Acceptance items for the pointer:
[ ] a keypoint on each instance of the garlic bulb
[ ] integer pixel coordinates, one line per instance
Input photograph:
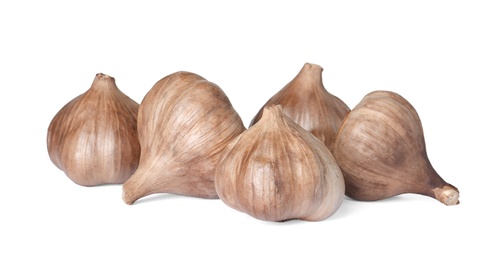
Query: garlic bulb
(309, 104)
(277, 171)
(381, 150)
(184, 122)
(93, 138)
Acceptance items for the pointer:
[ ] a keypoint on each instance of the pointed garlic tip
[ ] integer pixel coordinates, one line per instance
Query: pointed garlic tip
(139, 185)
(104, 81)
(130, 197)
(125, 198)
(272, 112)
(103, 77)
(126, 193)
(310, 74)
(448, 195)
(312, 67)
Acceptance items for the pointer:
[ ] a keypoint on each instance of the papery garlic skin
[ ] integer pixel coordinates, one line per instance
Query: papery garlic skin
(93, 138)
(184, 122)
(277, 171)
(306, 101)
(381, 150)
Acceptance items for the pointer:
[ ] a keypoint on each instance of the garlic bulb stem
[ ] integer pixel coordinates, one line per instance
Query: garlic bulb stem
(310, 74)
(448, 195)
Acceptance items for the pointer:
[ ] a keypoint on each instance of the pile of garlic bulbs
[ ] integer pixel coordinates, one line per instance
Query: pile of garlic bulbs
(302, 153)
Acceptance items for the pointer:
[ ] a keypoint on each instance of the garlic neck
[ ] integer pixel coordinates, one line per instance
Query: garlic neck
(103, 82)
(447, 194)
(272, 112)
(310, 77)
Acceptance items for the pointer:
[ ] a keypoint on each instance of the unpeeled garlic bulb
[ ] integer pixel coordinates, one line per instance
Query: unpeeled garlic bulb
(381, 150)
(310, 105)
(277, 171)
(184, 122)
(93, 138)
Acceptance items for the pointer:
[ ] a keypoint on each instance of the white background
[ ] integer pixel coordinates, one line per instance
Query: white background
(445, 57)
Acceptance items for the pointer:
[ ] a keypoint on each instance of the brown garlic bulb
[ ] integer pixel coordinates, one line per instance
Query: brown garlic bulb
(93, 138)
(381, 150)
(184, 122)
(310, 105)
(277, 171)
